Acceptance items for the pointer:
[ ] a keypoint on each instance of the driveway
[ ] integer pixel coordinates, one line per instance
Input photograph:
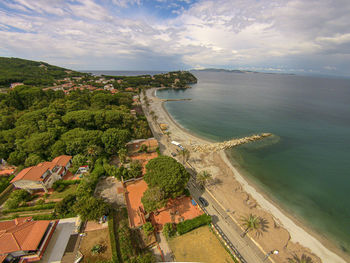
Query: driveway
(57, 245)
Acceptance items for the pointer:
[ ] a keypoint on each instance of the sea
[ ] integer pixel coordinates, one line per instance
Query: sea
(305, 166)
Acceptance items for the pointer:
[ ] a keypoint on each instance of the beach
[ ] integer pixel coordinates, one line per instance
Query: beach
(241, 197)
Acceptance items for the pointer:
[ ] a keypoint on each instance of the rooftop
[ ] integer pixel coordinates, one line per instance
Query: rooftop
(21, 234)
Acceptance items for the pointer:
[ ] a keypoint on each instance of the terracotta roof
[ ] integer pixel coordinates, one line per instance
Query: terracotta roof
(6, 172)
(62, 160)
(21, 235)
(2, 258)
(32, 173)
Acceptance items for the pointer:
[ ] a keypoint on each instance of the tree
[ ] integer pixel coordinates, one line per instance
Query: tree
(185, 155)
(167, 174)
(153, 199)
(148, 228)
(16, 198)
(303, 259)
(169, 230)
(78, 160)
(65, 206)
(93, 150)
(203, 178)
(135, 170)
(251, 223)
(90, 208)
(32, 160)
(122, 153)
(115, 139)
(16, 158)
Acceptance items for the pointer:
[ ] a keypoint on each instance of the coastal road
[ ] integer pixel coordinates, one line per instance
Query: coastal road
(228, 228)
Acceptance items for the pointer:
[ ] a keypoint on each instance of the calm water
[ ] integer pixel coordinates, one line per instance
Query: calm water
(306, 166)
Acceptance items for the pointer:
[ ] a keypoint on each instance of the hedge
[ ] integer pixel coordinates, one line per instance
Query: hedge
(64, 183)
(30, 208)
(112, 236)
(188, 225)
(51, 216)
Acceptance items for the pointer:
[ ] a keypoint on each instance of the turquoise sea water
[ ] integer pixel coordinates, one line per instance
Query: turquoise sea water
(306, 166)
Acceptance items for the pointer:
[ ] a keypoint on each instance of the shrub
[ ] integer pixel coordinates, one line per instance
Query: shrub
(40, 202)
(30, 208)
(111, 229)
(169, 230)
(96, 249)
(63, 183)
(65, 206)
(188, 225)
(148, 228)
(17, 198)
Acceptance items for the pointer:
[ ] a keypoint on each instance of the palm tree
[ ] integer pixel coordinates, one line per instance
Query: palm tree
(93, 150)
(251, 222)
(203, 177)
(303, 259)
(185, 155)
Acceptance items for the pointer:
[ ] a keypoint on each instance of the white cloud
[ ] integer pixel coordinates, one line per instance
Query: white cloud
(233, 33)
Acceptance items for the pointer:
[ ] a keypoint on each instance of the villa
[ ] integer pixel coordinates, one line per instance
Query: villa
(42, 176)
(24, 240)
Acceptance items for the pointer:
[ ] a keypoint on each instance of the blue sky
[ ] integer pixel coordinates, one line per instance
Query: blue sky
(298, 36)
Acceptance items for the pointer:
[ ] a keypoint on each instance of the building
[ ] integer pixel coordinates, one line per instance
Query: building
(42, 176)
(24, 240)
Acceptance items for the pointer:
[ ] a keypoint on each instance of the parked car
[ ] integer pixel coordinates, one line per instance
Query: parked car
(203, 201)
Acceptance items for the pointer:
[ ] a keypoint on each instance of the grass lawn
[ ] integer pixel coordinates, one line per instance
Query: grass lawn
(70, 189)
(93, 238)
(199, 245)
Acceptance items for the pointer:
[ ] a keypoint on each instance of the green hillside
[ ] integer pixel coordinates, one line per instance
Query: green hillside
(30, 72)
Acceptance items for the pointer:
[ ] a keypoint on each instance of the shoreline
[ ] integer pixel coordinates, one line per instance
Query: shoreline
(299, 232)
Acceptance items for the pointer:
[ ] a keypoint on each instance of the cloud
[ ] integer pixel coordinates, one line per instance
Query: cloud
(297, 34)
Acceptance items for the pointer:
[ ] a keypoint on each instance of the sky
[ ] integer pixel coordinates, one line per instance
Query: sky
(287, 36)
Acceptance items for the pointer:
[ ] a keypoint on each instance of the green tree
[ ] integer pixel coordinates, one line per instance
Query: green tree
(153, 199)
(135, 170)
(65, 206)
(90, 208)
(203, 178)
(115, 139)
(32, 160)
(251, 223)
(169, 230)
(303, 259)
(16, 158)
(16, 198)
(78, 160)
(169, 175)
(122, 154)
(148, 228)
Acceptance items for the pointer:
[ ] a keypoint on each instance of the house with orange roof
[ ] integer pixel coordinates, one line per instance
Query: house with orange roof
(42, 176)
(25, 240)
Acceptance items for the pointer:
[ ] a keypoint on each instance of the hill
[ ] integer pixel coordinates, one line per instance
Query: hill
(31, 72)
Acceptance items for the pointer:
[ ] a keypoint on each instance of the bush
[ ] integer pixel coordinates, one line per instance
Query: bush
(148, 228)
(169, 230)
(65, 206)
(17, 198)
(44, 217)
(96, 249)
(40, 202)
(188, 225)
(30, 208)
(62, 184)
(111, 229)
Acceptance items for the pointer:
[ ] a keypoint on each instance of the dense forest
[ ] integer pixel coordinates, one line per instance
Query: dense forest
(31, 72)
(38, 125)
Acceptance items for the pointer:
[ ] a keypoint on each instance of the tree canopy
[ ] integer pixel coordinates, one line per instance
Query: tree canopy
(167, 174)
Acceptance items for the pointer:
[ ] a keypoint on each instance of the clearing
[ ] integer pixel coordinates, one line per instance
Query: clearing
(199, 245)
(92, 238)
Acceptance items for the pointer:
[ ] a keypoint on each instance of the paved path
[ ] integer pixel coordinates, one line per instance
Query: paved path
(167, 253)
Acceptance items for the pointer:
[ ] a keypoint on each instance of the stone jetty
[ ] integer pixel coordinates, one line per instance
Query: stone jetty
(215, 147)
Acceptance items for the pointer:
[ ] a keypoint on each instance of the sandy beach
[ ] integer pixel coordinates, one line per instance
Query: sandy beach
(240, 197)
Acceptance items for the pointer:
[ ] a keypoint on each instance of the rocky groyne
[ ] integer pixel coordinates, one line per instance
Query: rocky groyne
(215, 147)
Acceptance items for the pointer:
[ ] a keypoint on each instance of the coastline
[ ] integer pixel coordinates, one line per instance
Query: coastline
(298, 233)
